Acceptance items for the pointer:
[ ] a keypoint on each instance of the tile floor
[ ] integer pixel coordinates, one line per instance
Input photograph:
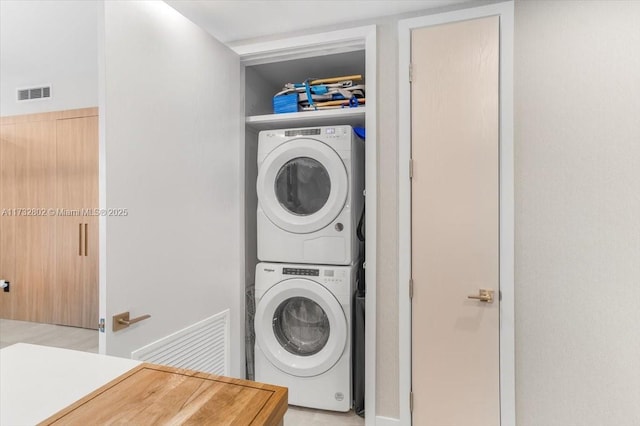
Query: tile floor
(59, 336)
(298, 416)
(87, 340)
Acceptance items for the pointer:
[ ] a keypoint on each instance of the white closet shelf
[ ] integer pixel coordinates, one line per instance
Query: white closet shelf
(327, 117)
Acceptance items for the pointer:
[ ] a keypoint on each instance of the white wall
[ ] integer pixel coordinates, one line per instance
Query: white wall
(171, 155)
(577, 139)
(48, 42)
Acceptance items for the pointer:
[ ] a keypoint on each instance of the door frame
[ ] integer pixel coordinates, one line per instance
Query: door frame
(507, 343)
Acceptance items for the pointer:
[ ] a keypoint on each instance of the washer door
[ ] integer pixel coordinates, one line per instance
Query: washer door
(302, 186)
(300, 327)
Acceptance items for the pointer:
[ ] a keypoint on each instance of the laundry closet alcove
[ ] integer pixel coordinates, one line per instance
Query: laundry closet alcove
(267, 66)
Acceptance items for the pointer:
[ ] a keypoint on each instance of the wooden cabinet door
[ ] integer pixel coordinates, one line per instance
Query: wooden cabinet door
(7, 222)
(48, 242)
(28, 169)
(76, 297)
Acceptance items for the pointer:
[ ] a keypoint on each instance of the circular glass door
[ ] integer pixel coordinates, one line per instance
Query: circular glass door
(302, 185)
(300, 327)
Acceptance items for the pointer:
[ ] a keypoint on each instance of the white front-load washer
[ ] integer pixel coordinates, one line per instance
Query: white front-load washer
(310, 195)
(303, 332)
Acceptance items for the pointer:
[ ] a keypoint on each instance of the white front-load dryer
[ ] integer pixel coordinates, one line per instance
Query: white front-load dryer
(310, 195)
(303, 332)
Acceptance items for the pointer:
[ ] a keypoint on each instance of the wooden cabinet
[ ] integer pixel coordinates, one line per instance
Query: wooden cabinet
(48, 237)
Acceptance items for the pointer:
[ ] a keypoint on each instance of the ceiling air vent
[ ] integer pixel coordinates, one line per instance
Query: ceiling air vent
(34, 93)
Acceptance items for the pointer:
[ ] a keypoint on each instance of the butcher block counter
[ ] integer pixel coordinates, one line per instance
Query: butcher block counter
(41, 385)
(156, 395)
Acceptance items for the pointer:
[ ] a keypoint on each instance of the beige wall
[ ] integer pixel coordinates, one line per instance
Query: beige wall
(387, 260)
(577, 139)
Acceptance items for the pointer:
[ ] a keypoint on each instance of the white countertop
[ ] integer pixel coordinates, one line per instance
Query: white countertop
(38, 381)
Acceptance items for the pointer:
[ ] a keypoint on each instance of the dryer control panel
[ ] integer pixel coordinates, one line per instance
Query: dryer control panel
(302, 132)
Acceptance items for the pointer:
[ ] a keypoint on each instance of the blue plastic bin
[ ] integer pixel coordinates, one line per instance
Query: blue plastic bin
(285, 103)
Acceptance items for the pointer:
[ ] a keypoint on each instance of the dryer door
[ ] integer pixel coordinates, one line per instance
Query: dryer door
(300, 327)
(302, 185)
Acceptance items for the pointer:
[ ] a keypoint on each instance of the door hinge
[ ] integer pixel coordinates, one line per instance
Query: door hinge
(101, 325)
(411, 73)
(410, 288)
(411, 168)
(411, 401)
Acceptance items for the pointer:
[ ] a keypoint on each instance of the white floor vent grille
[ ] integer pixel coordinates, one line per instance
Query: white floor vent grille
(203, 346)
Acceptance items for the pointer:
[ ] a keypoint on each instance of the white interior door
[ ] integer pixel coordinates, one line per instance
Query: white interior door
(455, 224)
(170, 158)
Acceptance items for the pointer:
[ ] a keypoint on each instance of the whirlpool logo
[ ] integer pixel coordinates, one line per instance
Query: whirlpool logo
(269, 270)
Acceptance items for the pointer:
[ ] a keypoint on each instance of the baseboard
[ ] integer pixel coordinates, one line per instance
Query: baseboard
(386, 421)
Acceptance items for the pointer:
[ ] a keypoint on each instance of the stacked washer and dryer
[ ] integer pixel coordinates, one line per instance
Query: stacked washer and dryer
(310, 199)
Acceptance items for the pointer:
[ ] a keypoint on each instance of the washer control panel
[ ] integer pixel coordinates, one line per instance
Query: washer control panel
(301, 271)
(325, 275)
